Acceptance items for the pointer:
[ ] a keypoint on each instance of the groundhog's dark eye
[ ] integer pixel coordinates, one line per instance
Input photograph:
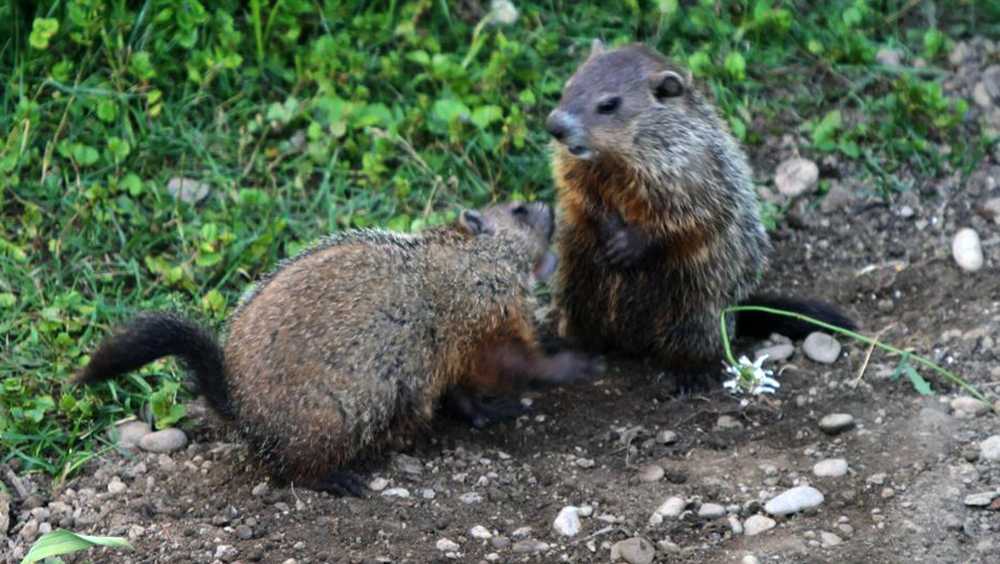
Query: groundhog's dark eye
(609, 105)
(520, 211)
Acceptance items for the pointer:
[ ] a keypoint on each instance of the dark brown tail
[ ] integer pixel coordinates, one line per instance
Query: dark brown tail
(152, 336)
(761, 325)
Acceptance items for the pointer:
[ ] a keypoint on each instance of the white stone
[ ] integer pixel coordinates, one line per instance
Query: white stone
(470, 498)
(829, 539)
(969, 405)
(830, 468)
(757, 524)
(567, 522)
(635, 550)
(796, 176)
(711, 511)
(480, 532)
(967, 250)
(188, 189)
(776, 353)
(794, 500)
(650, 473)
(821, 348)
(396, 492)
(666, 437)
(447, 545)
(128, 434)
(116, 486)
(989, 449)
(671, 508)
(167, 440)
(836, 422)
(378, 484)
(981, 499)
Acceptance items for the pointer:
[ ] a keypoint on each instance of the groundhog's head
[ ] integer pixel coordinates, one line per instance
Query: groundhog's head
(529, 226)
(630, 103)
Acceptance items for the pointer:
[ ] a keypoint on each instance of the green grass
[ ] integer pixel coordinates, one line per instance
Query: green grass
(307, 116)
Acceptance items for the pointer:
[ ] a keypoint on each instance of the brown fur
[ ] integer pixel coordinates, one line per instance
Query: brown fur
(666, 167)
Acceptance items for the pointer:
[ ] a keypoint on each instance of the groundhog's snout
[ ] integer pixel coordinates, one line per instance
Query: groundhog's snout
(566, 129)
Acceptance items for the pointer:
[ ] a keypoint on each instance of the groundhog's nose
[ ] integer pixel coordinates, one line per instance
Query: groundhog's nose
(556, 125)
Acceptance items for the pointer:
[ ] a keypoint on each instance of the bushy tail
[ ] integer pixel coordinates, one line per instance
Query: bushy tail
(761, 325)
(152, 336)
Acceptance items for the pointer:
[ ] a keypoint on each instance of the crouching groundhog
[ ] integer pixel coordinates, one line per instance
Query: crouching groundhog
(659, 227)
(353, 343)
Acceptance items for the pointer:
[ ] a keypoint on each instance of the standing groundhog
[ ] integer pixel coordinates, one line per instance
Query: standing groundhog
(354, 342)
(659, 226)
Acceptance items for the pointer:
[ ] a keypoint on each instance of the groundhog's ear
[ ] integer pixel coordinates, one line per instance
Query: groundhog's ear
(474, 223)
(596, 48)
(667, 84)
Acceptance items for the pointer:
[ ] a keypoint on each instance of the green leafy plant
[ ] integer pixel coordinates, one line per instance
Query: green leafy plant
(61, 542)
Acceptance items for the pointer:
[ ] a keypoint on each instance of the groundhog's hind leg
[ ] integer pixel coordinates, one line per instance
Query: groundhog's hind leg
(692, 354)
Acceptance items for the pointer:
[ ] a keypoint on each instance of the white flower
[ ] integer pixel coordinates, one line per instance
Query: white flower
(750, 377)
(502, 12)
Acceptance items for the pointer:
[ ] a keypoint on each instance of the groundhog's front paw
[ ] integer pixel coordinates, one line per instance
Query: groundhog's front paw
(569, 367)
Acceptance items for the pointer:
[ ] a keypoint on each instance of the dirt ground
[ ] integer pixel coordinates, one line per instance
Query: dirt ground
(493, 495)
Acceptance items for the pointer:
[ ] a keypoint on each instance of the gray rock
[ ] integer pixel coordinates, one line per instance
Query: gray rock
(671, 508)
(167, 440)
(990, 209)
(635, 550)
(4, 513)
(226, 553)
(188, 189)
(402, 493)
(116, 486)
(244, 532)
(378, 484)
(666, 437)
(836, 423)
(776, 353)
(959, 53)
(796, 176)
(470, 498)
(989, 449)
(750, 559)
(128, 434)
(734, 525)
(651, 473)
(29, 531)
(480, 532)
(969, 406)
(408, 464)
(757, 524)
(447, 545)
(726, 422)
(567, 522)
(794, 500)
(711, 511)
(260, 490)
(529, 546)
(967, 250)
(821, 347)
(981, 499)
(830, 468)
(829, 539)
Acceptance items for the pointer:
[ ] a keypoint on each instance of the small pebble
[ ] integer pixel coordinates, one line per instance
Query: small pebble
(480, 532)
(757, 524)
(836, 423)
(167, 440)
(794, 500)
(821, 347)
(116, 486)
(260, 490)
(188, 189)
(829, 539)
(378, 484)
(447, 545)
(981, 499)
(567, 522)
(989, 449)
(888, 57)
(585, 462)
(651, 473)
(244, 532)
(750, 559)
(728, 422)
(635, 550)
(528, 546)
(969, 405)
(396, 492)
(129, 434)
(470, 498)
(830, 468)
(672, 507)
(711, 511)
(666, 437)
(796, 176)
(967, 250)
(776, 353)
